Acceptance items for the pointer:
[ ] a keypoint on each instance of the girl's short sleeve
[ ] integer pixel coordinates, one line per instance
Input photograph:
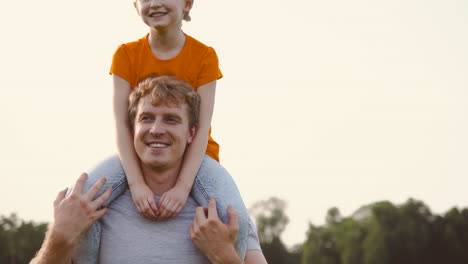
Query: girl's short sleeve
(209, 68)
(121, 63)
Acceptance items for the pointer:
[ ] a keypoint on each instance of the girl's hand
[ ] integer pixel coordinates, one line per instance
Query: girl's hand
(172, 202)
(143, 198)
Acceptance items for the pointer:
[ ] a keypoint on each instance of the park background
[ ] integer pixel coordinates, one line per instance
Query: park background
(323, 104)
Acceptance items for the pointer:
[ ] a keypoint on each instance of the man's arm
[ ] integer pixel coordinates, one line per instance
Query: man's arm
(255, 257)
(216, 239)
(73, 215)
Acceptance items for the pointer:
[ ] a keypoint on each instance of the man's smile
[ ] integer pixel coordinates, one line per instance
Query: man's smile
(158, 145)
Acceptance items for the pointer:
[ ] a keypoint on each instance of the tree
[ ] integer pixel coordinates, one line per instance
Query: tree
(320, 246)
(350, 235)
(450, 239)
(271, 221)
(19, 240)
(270, 218)
(386, 233)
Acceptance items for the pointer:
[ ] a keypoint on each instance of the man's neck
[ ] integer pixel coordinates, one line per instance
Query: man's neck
(160, 180)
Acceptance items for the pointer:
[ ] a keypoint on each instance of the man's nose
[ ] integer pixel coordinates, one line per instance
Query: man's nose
(157, 128)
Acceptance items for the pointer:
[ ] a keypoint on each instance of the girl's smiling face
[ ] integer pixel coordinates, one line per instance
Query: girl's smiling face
(163, 14)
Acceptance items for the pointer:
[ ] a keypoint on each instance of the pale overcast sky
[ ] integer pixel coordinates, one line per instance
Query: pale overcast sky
(324, 103)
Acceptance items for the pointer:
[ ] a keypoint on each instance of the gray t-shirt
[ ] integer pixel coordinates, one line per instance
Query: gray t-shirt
(127, 237)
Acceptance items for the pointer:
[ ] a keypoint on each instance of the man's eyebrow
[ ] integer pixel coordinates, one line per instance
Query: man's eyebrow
(144, 113)
(173, 115)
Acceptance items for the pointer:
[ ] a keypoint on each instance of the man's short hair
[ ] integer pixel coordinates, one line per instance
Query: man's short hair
(168, 91)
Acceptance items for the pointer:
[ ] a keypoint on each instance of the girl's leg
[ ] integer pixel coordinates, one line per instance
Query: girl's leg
(213, 181)
(88, 247)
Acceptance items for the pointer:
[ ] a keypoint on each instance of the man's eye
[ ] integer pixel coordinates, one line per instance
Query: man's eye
(145, 118)
(172, 119)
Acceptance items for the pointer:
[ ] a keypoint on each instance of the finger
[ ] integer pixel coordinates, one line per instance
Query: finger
(145, 215)
(102, 198)
(164, 213)
(212, 213)
(143, 212)
(200, 215)
(100, 213)
(160, 211)
(60, 196)
(141, 209)
(78, 189)
(173, 210)
(95, 188)
(196, 220)
(138, 208)
(148, 212)
(153, 206)
(178, 209)
(163, 202)
(232, 215)
(166, 207)
(192, 233)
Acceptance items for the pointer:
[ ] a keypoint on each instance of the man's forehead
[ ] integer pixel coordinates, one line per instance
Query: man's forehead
(146, 105)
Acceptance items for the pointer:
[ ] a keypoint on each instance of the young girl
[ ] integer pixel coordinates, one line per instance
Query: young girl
(166, 50)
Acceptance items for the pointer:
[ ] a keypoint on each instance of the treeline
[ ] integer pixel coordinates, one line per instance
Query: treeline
(380, 233)
(19, 240)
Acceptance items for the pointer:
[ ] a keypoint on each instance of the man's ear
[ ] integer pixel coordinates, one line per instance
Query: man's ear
(192, 133)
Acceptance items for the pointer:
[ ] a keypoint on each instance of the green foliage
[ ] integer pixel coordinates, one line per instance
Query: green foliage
(320, 246)
(19, 240)
(349, 236)
(271, 221)
(270, 218)
(379, 233)
(382, 233)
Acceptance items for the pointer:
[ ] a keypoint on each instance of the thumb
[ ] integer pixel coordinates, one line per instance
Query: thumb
(233, 221)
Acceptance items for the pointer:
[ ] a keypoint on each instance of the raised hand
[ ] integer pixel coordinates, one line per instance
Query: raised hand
(74, 214)
(214, 238)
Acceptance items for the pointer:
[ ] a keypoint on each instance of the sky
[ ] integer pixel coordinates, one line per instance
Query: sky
(323, 103)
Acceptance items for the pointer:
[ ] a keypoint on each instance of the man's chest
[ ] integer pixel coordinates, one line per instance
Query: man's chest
(129, 238)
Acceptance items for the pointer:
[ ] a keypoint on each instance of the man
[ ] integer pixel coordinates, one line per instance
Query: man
(162, 131)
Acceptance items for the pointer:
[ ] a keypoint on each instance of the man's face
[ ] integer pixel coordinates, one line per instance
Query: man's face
(161, 134)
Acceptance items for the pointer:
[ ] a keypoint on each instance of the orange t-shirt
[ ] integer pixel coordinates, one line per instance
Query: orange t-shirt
(196, 64)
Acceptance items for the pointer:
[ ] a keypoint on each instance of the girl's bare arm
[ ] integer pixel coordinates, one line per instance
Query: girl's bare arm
(142, 196)
(174, 200)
